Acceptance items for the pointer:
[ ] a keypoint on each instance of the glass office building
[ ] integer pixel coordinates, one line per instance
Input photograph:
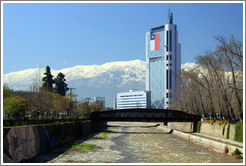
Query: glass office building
(163, 61)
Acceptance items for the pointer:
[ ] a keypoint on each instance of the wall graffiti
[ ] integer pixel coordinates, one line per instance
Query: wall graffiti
(22, 143)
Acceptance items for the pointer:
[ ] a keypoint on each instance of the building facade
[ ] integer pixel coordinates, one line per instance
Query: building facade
(132, 99)
(163, 61)
(100, 101)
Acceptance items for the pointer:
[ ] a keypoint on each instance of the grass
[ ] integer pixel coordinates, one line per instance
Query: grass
(74, 151)
(107, 131)
(78, 146)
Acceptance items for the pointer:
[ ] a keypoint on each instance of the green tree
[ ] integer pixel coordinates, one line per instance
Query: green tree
(48, 80)
(83, 109)
(15, 106)
(40, 104)
(60, 104)
(6, 91)
(60, 85)
(94, 107)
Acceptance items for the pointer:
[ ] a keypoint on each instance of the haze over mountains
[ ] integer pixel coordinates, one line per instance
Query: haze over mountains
(104, 80)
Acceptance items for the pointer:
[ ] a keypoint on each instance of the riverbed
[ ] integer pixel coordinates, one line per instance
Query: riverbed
(128, 142)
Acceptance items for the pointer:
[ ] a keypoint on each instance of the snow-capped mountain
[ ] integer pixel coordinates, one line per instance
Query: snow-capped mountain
(89, 80)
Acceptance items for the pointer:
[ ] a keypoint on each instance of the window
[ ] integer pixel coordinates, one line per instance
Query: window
(166, 95)
(170, 57)
(170, 40)
(167, 57)
(167, 37)
(170, 79)
(166, 64)
(167, 79)
(167, 40)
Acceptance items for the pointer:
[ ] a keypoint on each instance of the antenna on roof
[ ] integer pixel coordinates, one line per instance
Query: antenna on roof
(170, 16)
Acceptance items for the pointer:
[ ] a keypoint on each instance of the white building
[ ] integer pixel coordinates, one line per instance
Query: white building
(132, 99)
(163, 61)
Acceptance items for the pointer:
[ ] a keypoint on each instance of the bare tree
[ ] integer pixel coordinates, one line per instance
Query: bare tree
(232, 55)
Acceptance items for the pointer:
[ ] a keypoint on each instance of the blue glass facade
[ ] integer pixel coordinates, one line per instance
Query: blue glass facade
(157, 70)
(157, 88)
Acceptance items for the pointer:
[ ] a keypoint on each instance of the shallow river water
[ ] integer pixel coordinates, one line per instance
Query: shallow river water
(138, 143)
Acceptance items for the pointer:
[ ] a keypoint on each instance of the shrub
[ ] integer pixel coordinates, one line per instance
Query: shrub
(237, 154)
(198, 126)
(220, 122)
(239, 132)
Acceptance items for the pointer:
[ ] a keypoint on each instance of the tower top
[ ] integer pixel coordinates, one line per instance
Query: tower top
(170, 17)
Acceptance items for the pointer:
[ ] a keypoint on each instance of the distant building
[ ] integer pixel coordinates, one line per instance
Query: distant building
(100, 101)
(115, 104)
(132, 99)
(163, 61)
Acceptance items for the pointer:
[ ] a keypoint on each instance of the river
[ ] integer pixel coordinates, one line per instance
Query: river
(138, 143)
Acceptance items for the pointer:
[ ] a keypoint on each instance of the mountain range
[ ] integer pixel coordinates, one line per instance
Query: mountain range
(89, 81)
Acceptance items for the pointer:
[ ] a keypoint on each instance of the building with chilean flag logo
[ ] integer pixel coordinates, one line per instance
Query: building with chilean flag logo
(163, 61)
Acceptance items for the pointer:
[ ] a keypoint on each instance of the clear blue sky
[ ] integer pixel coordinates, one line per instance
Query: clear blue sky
(65, 35)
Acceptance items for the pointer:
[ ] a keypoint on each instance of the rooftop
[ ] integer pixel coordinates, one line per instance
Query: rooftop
(157, 27)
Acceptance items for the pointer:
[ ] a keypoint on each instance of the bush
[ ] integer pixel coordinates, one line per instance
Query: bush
(198, 126)
(220, 122)
(15, 106)
(237, 154)
(238, 132)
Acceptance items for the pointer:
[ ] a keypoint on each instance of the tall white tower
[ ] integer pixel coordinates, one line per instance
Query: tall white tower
(163, 60)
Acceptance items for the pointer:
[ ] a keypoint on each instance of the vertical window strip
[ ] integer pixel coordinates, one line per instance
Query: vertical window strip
(170, 41)
(167, 40)
(170, 79)
(167, 79)
(167, 37)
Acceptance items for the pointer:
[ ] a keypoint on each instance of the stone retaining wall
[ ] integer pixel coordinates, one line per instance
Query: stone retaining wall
(26, 142)
(184, 126)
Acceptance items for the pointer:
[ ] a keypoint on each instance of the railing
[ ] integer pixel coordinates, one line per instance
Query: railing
(8, 123)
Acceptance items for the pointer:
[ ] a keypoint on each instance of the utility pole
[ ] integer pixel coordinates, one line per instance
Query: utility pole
(70, 109)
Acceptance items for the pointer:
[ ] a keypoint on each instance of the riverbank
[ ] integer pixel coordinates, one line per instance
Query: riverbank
(128, 142)
(220, 145)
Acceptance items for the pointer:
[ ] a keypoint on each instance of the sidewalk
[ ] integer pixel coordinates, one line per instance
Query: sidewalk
(218, 144)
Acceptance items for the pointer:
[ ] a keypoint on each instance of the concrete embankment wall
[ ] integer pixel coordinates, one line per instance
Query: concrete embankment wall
(26, 142)
(184, 126)
(215, 130)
